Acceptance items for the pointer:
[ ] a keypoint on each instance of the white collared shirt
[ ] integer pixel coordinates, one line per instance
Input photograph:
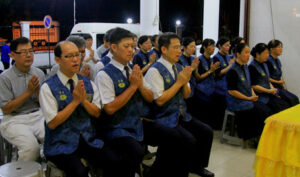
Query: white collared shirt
(48, 102)
(155, 80)
(106, 85)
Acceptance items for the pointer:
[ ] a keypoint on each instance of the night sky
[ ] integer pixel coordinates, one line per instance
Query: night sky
(116, 11)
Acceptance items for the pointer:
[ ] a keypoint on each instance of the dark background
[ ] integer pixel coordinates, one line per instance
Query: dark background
(190, 13)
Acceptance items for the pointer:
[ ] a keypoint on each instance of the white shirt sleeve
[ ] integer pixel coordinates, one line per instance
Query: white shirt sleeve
(155, 81)
(106, 87)
(96, 98)
(98, 66)
(48, 103)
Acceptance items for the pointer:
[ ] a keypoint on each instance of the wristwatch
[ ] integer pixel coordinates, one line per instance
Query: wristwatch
(209, 72)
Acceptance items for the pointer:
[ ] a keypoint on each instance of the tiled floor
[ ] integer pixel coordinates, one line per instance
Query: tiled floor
(229, 160)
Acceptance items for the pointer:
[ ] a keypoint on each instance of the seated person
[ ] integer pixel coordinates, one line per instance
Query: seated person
(169, 83)
(274, 66)
(85, 69)
(123, 92)
(205, 86)
(142, 58)
(22, 124)
(242, 100)
(154, 41)
(260, 82)
(69, 102)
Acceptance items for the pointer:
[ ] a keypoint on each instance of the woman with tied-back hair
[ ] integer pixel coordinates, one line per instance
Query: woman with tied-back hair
(260, 81)
(242, 100)
(274, 66)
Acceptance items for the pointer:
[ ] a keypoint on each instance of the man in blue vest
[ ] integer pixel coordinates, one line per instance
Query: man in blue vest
(69, 102)
(123, 92)
(170, 86)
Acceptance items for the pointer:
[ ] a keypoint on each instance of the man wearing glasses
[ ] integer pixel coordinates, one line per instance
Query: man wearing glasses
(22, 124)
(85, 69)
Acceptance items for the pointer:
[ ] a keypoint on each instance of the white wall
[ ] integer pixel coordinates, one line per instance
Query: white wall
(286, 29)
(149, 17)
(211, 19)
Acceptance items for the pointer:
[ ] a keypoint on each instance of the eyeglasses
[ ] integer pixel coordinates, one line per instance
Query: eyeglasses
(73, 56)
(24, 52)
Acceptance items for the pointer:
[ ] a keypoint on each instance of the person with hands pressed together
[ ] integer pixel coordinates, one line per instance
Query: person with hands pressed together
(206, 85)
(69, 102)
(22, 123)
(242, 100)
(143, 58)
(124, 94)
(260, 82)
(170, 84)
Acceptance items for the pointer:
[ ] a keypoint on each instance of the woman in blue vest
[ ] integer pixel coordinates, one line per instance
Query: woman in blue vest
(205, 85)
(234, 43)
(187, 58)
(219, 95)
(242, 100)
(142, 58)
(274, 66)
(260, 82)
(154, 40)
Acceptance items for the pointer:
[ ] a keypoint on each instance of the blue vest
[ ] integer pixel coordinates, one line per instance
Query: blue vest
(64, 139)
(263, 81)
(183, 61)
(158, 54)
(141, 56)
(127, 120)
(277, 73)
(221, 84)
(206, 87)
(169, 113)
(105, 60)
(244, 86)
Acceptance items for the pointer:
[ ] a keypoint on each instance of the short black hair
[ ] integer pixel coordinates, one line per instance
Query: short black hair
(87, 36)
(274, 43)
(143, 39)
(258, 48)
(186, 41)
(107, 35)
(234, 43)
(154, 37)
(17, 41)
(222, 41)
(118, 34)
(207, 42)
(239, 48)
(165, 39)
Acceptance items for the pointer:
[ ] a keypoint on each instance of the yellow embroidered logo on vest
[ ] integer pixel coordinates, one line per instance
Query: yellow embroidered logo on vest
(206, 68)
(62, 95)
(263, 74)
(121, 84)
(274, 67)
(144, 62)
(243, 78)
(168, 80)
(224, 64)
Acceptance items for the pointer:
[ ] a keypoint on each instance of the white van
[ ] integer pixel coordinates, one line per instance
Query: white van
(97, 30)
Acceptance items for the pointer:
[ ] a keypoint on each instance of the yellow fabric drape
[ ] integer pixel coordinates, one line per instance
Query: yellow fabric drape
(278, 152)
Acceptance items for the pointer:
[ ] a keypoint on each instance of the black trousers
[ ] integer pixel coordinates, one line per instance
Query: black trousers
(289, 97)
(6, 65)
(250, 123)
(105, 158)
(169, 157)
(277, 104)
(198, 138)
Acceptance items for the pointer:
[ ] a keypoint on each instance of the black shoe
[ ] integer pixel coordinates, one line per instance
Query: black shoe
(205, 173)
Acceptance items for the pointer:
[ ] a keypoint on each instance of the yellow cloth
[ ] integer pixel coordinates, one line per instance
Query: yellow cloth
(278, 152)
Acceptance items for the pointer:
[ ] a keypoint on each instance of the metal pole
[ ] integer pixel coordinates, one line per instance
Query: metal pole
(49, 47)
(74, 12)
